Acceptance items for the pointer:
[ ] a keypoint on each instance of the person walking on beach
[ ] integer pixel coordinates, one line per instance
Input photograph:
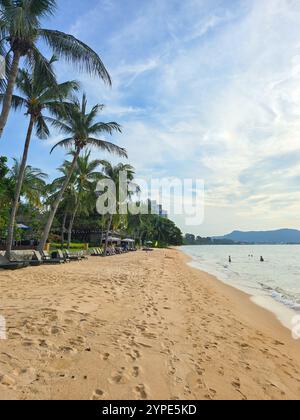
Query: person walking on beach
(262, 259)
(229, 259)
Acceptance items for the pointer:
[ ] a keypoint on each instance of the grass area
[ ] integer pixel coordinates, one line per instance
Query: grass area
(73, 247)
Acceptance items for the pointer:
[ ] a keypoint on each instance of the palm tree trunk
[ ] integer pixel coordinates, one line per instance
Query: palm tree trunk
(9, 91)
(56, 204)
(71, 224)
(20, 180)
(107, 234)
(63, 227)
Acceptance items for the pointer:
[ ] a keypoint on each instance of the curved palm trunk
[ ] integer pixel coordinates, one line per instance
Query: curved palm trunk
(63, 227)
(71, 224)
(9, 91)
(56, 204)
(107, 234)
(20, 180)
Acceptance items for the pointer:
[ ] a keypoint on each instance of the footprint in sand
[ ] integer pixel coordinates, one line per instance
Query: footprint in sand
(119, 377)
(7, 381)
(134, 355)
(105, 356)
(67, 349)
(28, 343)
(97, 395)
(136, 371)
(236, 384)
(55, 330)
(141, 392)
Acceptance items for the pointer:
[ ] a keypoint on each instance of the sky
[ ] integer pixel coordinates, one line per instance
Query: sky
(204, 89)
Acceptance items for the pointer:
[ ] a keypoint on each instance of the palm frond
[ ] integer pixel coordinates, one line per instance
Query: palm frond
(24, 83)
(107, 146)
(60, 91)
(59, 125)
(105, 128)
(17, 102)
(41, 67)
(42, 8)
(66, 143)
(76, 52)
(42, 129)
(93, 113)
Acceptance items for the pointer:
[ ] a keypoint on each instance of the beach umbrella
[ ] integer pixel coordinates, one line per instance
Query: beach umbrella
(23, 227)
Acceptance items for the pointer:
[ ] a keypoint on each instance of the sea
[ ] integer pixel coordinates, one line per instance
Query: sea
(273, 284)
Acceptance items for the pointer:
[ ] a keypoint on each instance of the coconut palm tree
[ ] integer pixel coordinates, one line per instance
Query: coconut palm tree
(20, 35)
(35, 98)
(113, 173)
(80, 195)
(78, 123)
(87, 177)
(33, 190)
(34, 183)
(68, 202)
(138, 226)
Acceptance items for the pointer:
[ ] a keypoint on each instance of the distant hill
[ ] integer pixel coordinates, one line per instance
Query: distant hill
(281, 236)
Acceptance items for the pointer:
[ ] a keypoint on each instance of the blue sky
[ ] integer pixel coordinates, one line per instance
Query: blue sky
(203, 89)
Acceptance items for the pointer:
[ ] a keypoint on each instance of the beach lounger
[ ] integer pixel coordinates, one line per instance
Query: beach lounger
(110, 252)
(100, 252)
(83, 255)
(47, 259)
(36, 259)
(72, 257)
(148, 249)
(95, 253)
(12, 265)
(59, 255)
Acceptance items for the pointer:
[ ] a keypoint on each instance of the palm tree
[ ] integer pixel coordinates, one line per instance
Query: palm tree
(68, 202)
(139, 227)
(20, 34)
(33, 189)
(79, 125)
(85, 186)
(80, 195)
(113, 173)
(36, 97)
(34, 183)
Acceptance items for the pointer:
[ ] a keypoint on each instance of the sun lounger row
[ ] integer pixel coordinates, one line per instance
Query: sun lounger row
(35, 258)
(97, 252)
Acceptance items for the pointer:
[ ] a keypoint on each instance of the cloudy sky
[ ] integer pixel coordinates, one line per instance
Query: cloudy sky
(204, 89)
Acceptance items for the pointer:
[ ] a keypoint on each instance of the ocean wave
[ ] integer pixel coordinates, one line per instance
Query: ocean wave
(282, 296)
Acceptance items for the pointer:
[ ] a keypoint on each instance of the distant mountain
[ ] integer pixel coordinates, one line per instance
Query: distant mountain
(281, 236)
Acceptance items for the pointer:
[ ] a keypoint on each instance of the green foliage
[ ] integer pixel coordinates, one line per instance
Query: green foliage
(34, 183)
(154, 228)
(73, 246)
(191, 239)
(5, 195)
(82, 130)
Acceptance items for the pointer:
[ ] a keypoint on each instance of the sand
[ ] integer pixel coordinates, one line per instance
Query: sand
(139, 326)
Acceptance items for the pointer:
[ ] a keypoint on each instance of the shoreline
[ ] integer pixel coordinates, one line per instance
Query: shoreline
(95, 331)
(283, 313)
(270, 318)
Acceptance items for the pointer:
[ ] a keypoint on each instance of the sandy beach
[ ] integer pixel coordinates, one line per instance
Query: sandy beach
(139, 326)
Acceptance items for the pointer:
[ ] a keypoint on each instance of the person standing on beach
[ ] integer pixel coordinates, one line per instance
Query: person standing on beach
(230, 259)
